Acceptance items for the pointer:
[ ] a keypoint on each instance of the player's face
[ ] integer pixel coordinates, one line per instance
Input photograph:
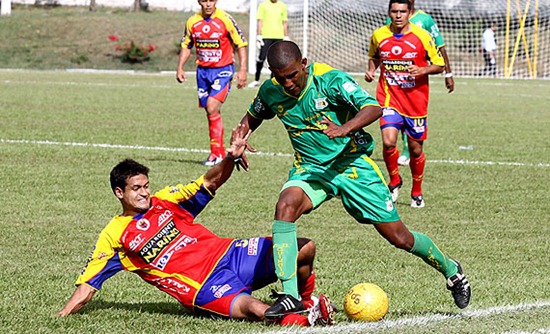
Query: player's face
(293, 78)
(208, 7)
(136, 196)
(399, 14)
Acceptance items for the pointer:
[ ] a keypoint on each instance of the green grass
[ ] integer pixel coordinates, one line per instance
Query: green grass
(56, 199)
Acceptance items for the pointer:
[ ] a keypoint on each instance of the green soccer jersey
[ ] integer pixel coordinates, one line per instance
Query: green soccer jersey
(426, 22)
(328, 93)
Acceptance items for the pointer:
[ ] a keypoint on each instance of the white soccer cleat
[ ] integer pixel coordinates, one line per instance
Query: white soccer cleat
(253, 84)
(403, 161)
(212, 160)
(417, 202)
(394, 190)
(322, 312)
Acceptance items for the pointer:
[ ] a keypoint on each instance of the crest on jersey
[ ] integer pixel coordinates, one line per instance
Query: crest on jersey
(143, 224)
(396, 50)
(321, 103)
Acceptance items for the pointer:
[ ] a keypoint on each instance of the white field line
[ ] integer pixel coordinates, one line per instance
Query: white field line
(134, 147)
(419, 321)
(277, 154)
(537, 331)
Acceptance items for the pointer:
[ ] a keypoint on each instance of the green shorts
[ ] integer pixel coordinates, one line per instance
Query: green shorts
(357, 180)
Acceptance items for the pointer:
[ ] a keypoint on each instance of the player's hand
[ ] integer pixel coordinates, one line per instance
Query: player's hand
(450, 84)
(493, 61)
(333, 130)
(415, 70)
(259, 41)
(286, 38)
(369, 76)
(180, 75)
(241, 79)
(238, 146)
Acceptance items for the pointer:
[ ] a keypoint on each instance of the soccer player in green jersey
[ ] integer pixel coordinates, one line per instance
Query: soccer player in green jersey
(324, 111)
(426, 22)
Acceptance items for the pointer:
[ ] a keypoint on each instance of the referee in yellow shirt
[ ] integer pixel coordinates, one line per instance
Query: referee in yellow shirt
(272, 27)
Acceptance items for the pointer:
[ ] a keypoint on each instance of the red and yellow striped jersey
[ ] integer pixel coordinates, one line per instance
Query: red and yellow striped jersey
(214, 38)
(397, 88)
(163, 246)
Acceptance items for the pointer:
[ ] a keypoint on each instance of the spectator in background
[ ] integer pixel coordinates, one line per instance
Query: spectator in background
(272, 27)
(215, 35)
(488, 49)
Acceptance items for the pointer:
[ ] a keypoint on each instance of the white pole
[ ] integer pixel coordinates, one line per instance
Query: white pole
(6, 7)
(305, 28)
(252, 26)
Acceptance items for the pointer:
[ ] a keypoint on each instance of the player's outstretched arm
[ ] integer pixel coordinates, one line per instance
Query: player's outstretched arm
(81, 296)
(220, 173)
(248, 123)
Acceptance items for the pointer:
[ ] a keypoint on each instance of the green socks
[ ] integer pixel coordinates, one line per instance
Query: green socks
(285, 255)
(405, 150)
(425, 249)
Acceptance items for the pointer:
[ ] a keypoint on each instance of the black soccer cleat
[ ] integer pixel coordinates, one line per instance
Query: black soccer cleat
(460, 287)
(285, 304)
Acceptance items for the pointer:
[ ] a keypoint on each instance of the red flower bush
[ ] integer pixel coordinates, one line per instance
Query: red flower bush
(130, 52)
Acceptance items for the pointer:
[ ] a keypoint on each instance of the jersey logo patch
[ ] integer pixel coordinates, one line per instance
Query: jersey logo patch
(396, 50)
(349, 87)
(321, 103)
(143, 224)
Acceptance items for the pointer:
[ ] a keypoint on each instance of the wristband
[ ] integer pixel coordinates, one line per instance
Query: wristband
(449, 75)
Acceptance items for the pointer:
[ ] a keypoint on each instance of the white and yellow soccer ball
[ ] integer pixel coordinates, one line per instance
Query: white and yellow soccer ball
(366, 302)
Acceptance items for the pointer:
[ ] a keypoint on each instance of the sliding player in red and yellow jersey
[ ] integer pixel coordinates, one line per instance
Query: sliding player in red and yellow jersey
(156, 238)
(215, 35)
(406, 55)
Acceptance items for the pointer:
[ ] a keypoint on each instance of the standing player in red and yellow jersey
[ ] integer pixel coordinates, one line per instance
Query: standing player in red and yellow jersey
(156, 237)
(214, 34)
(406, 55)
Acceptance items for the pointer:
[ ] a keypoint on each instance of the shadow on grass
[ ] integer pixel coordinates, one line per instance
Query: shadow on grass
(150, 307)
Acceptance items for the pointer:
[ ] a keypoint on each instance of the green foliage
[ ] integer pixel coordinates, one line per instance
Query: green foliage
(75, 37)
(129, 52)
(57, 148)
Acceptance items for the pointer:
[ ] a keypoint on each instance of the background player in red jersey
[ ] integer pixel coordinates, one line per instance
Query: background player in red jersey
(214, 34)
(426, 22)
(156, 238)
(407, 55)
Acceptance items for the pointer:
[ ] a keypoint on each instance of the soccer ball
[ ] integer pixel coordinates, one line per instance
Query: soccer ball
(366, 302)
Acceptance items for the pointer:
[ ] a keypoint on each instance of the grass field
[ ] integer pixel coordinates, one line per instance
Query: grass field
(62, 132)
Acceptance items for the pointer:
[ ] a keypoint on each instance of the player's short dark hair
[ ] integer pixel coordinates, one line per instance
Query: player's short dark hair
(283, 53)
(124, 170)
(408, 2)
